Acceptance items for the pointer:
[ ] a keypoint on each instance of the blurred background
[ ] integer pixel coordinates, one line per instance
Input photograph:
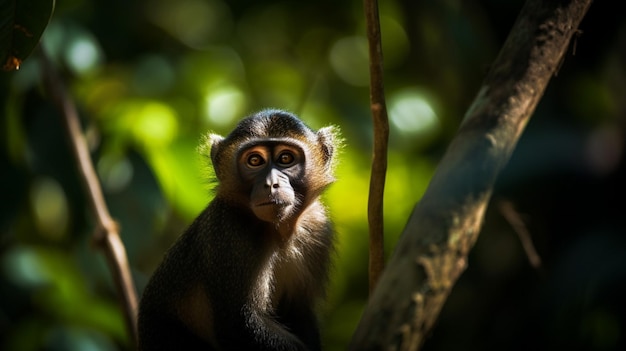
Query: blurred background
(150, 78)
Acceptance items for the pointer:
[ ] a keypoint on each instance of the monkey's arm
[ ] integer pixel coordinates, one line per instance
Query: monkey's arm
(300, 319)
(252, 330)
(249, 327)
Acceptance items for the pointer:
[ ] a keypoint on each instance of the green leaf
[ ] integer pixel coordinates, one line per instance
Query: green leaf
(21, 24)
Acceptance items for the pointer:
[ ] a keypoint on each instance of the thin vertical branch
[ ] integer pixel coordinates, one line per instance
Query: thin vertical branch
(106, 236)
(381, 137)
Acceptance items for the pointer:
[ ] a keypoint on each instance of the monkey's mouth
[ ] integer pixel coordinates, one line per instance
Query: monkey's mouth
(273, 211)
(271, 203)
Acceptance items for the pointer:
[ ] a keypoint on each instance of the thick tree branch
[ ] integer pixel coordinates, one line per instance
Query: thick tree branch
(106, 236)
(444, 226)
(381, 137)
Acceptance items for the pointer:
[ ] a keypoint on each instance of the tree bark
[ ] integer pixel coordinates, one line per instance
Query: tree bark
(433, 249)
(378, 106)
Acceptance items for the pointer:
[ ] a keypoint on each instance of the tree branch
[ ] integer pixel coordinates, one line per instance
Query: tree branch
(106, 236)
(515, 220)
(444, 226)
(381, 136)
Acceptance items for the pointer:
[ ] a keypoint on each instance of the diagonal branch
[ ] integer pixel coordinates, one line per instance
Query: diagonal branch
(381, 137)
(508, 211)
(444, 226)
(106, 236)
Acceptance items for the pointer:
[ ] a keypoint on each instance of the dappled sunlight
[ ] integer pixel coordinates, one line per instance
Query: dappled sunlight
(115, 172)
(351, 184)
(50, 209)
(83, 55)
(151, 78)
(277, 83)
(151, 123)
(79, 48)
(179, 171)
(411, 113)
(395, 42)
(60, 289)
(223, 105)
(407, 180)
(349, 59)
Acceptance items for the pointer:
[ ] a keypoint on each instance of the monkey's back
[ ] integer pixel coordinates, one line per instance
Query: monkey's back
(160, 325)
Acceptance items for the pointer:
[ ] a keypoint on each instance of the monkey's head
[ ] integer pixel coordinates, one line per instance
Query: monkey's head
(273, 164)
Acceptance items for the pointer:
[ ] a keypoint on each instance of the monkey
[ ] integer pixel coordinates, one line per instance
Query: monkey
(251, 269)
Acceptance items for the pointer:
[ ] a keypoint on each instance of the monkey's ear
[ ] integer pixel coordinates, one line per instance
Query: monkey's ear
(210, 146)
(331, 141)
(214, 141)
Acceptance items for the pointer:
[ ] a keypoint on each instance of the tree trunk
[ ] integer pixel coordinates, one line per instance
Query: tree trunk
(433, 249)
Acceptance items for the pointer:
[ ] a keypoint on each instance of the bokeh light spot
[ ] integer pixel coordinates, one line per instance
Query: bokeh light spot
(411, 113)
(23, 267)
(83, 55)
(49, 206)
(155, 123)
(349, 59)
(223, 106)
(116, 173)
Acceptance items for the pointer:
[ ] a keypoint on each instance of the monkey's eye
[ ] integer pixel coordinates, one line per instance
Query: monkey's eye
(255, 160)
(286, 158)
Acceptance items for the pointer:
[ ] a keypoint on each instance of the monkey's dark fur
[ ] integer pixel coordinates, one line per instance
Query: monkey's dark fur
(248, 272)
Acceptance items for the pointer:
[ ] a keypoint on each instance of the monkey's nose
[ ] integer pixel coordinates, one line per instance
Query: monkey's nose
(273, 179)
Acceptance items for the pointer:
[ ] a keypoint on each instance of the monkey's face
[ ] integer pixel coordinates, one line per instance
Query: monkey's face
(272, 170)
(273, 164)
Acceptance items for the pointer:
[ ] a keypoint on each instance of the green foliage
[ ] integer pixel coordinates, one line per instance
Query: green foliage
(151, 78)
(59, 290)
(21, 24)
